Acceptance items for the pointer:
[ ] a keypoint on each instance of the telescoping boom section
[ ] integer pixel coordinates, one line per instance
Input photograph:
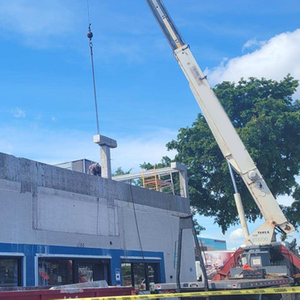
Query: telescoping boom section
(226, 136)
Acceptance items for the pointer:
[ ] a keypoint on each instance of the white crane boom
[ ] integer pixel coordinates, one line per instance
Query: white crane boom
(225, 134)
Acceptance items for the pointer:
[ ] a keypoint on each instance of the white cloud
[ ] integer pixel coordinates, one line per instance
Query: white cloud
(45, 24)
(34, 142)
(36, 20)
(19, 113)
(274, 60)
(252, 44)
(132, 151)
(236, 234)
(285, 200)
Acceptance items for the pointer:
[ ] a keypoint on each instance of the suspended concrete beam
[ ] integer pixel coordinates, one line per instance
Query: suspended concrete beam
(105, 144)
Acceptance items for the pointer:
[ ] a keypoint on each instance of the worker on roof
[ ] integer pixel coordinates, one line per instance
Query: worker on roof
(95, 169)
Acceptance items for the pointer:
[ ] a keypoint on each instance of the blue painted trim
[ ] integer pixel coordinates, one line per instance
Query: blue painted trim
(30, 251)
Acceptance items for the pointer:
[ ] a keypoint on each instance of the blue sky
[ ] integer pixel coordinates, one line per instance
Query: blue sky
(47, 109)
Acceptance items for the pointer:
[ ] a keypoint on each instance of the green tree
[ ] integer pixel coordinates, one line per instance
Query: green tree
(165, 162)
(120, 171)
(268, 121)
(293, 212)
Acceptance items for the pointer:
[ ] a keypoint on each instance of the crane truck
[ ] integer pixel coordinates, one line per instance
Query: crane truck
(261, 251)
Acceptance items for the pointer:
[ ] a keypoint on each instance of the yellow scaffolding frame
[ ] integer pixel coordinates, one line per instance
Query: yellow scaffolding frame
(152, 181)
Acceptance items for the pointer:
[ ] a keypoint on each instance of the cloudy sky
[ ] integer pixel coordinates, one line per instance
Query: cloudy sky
(47, 109)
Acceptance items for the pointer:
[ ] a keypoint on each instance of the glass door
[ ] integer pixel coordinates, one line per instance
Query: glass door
(10, 272)
(140, 275)
(91, 270)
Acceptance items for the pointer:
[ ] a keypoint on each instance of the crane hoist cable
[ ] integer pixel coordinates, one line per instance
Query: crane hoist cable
(90, 36)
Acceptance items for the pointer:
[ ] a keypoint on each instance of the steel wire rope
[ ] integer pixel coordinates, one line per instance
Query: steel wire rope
(90, 36)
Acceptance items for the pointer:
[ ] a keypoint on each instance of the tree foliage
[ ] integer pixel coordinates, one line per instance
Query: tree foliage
(165, 162)
(268, 122)
(120, 171)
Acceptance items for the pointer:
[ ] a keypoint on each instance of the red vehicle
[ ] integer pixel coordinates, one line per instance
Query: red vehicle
(64, 293)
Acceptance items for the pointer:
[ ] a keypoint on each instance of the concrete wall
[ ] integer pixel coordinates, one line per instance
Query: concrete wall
(47, 210)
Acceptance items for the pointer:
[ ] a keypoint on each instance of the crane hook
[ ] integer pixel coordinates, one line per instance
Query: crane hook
(90, 34)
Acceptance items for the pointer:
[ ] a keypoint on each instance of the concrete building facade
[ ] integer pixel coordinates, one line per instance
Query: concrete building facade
(60, 226)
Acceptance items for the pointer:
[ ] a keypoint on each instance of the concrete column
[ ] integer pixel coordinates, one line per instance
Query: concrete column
(105, 161)
(183, 180)
(105, 144)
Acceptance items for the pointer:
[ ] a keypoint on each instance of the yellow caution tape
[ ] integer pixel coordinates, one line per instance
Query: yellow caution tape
(282, 290)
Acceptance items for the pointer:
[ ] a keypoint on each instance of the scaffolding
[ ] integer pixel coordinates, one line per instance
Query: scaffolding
(153, 181)
(160, 179)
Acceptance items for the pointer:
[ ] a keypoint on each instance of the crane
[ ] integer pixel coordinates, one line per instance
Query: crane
(226, 136)
(261, 251)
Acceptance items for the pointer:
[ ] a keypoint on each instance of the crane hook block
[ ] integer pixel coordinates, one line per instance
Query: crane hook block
(90, 34)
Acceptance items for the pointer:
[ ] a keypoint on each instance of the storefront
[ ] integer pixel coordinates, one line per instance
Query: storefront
(36, 265)
(59, 271)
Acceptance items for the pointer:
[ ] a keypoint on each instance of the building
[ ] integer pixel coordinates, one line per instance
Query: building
(207, 244)
(60, 226)
(80, 165)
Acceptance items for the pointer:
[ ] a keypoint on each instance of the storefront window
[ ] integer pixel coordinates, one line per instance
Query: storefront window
(85, 273)
(10, 272)
(134, 274)
(66, 271)
(55, 271)
(152, 273)
(139, 272)
(126, 274)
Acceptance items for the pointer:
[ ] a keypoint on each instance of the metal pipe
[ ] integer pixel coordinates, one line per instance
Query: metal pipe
(178, 266)
(239, 205)
(232, 177)
(240, 209)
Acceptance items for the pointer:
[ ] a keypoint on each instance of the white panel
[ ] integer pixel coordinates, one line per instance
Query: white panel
(117, 233)
(10, 186)
(111, 221)
(103, 220)
(58, 213)
(159, 232)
